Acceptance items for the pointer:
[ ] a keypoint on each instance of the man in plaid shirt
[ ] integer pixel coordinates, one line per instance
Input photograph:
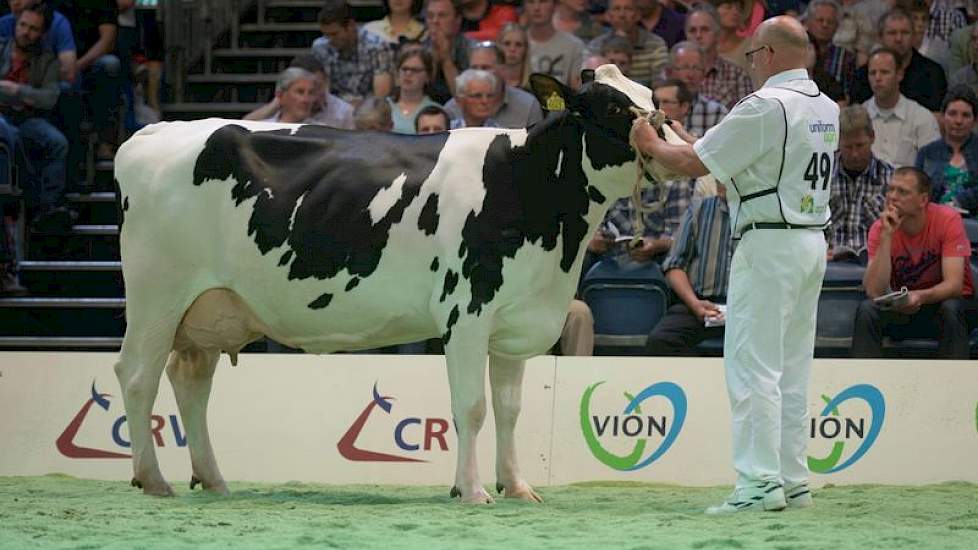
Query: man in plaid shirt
(359, 62)
(722, 80)
(822, 21)
(858, 186)
(686, 68)
(660, 225)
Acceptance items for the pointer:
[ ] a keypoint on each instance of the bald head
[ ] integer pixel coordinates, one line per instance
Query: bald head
(782, 44)
(783, 33)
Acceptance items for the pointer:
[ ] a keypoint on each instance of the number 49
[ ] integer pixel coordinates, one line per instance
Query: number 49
(819, 167)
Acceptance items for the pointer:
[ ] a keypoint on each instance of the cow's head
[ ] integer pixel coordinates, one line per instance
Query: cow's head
(605, 107)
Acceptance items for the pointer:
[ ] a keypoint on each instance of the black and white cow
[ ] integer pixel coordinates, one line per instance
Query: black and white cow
(331, 240)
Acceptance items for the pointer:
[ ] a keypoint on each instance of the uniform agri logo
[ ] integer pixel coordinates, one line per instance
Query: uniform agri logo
(848, 428)
(632, 424)
(410, 434)
(111, 437)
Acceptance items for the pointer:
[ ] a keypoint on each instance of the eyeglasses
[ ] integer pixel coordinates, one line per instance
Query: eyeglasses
(749, 54)
(481, 96)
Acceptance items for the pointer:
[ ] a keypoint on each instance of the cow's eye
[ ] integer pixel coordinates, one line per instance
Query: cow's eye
(614, 109)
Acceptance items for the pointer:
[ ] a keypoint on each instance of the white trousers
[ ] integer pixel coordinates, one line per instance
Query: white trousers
(775, 280)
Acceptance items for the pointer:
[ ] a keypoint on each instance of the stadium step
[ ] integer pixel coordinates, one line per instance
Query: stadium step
(62, 343)
(59, 317)
(72, 279)
(99, 207)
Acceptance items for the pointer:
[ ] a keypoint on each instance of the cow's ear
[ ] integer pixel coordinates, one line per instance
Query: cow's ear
(552, 94)
(587, 75)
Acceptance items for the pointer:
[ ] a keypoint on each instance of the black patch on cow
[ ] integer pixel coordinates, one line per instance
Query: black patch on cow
(451, 280)
(428, 220)
(352, 284)
(530, 198)
(434, 264)
(321, 302)
(461, 250)
(336, 173)
(452, 319)
(285, 258)
(123, 205)
(595, 195)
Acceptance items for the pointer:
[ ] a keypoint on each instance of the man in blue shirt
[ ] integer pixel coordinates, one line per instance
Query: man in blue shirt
(58, 38)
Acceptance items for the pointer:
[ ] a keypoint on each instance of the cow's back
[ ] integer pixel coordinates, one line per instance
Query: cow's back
(337, 240)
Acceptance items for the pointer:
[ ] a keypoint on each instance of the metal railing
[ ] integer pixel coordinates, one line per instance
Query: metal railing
(190, 28)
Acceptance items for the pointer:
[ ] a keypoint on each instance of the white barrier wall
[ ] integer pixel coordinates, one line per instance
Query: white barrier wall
(386, 419)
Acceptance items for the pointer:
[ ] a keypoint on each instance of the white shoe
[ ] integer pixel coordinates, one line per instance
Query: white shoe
(798, 495)
(767, 496)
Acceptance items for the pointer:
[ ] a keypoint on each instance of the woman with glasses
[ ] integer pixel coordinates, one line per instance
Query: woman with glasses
(401, 21)
(415, 70)
(515, 69)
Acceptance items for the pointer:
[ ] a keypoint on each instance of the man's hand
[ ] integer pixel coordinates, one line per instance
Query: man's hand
(644, 135)
(912, 305)
(9, 87)
(441, 46)
(706, 308)
(890, 220)
(643, 251)
(681, 132)
(600, 243)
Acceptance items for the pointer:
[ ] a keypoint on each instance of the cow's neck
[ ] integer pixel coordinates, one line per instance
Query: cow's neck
(591, 171)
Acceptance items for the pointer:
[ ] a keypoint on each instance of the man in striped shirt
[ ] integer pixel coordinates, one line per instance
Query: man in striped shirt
(858, 186)
(697, 268)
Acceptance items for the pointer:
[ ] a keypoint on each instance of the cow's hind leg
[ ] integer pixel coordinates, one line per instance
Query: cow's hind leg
(465, 355)
(191, 371)
(506, 380)
(139, 369)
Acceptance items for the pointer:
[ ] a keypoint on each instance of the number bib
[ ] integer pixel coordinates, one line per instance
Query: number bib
(812, 126)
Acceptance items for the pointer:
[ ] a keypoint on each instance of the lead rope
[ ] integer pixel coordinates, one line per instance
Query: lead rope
(656, 120)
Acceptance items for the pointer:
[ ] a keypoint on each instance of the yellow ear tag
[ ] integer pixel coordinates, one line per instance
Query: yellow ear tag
(555, 102)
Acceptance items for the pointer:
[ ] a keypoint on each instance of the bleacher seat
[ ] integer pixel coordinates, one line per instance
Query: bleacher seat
(842, 292)
(627, 300)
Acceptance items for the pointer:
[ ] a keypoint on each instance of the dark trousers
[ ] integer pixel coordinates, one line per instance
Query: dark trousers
(679, 332)
(948, 321)
(43, 150)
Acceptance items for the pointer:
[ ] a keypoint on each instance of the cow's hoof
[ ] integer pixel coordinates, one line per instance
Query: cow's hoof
(159, 489)
(217, 488)
(521, 490)
(454, 493)
(478, 499)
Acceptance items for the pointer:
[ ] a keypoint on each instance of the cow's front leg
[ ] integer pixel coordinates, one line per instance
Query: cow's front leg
(465, 354)
(506, 380)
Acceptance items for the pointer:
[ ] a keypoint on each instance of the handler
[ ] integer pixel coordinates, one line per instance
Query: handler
(775, 151)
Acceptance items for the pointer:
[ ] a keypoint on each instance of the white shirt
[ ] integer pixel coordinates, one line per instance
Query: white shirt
(902, 131)
(751, 153)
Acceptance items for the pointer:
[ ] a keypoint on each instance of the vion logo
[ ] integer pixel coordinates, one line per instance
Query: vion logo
(853, 429)
(67, 445)
(635, 426)
(410, 434)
